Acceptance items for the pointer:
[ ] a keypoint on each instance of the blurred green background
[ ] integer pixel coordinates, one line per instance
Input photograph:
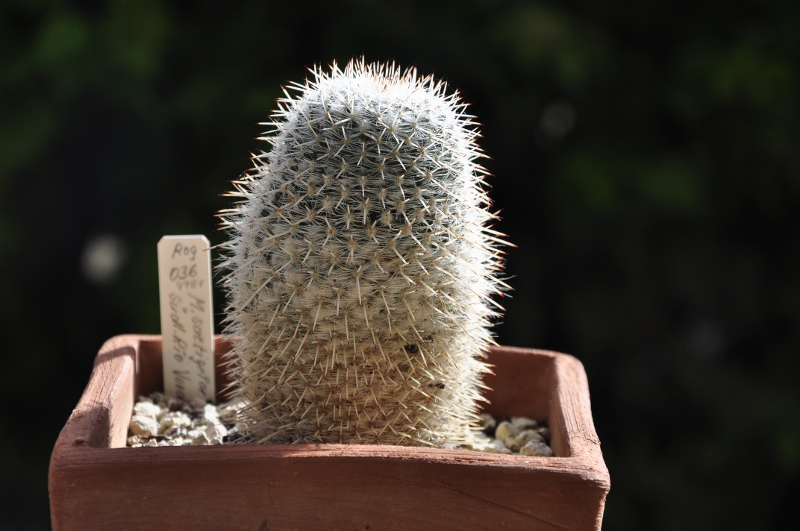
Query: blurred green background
(646, 157)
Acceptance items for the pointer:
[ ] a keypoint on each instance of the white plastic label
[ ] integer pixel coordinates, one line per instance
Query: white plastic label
(187, 329)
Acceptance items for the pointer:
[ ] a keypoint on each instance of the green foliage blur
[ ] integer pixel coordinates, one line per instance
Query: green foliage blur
(646, 158)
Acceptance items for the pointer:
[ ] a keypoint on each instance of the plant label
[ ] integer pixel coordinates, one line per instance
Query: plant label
(187, 329)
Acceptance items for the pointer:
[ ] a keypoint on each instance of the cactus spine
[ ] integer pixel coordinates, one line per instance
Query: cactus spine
(360, 265)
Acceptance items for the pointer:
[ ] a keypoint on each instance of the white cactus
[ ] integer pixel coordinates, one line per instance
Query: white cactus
(360, 265)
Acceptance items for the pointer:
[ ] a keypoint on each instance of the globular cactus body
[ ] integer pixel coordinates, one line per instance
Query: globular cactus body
(360, 265)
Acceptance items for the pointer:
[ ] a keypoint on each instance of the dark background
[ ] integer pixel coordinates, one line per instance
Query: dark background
(645, 155)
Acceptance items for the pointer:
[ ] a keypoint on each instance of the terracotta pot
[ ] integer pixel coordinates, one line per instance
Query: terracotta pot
(96, 483)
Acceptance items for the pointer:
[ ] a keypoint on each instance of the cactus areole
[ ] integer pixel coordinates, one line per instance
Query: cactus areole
(361, 264)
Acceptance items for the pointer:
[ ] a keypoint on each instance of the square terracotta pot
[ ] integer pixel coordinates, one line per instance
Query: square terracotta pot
(96, 483)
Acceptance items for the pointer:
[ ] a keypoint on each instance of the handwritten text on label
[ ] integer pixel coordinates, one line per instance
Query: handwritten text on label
(184, 271)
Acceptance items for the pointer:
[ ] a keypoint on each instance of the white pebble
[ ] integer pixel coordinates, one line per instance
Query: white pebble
(496, 447)
(506, 432)
(524, 423)
(480, 438)
(197, 403)
(544, 432)
(158, 398)
(214, 433)
(200, 439)
(475, 441)
(147, 409)
(536, 448)
(229, 411)
(141, 425)
(487, 422)
(481, 442)
(175, 418)
(210, 413)
(523, 438)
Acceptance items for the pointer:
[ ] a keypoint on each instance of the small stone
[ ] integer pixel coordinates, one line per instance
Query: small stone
(175, 418)
(197, 404)
(536, 448)
(480, 441)
(227, 416)
(483, 443)
(524, 423)
(152, 442)
(229, 411)
(200, 439)
(215, 432)
(523, 438)
(210, 413)
(488, 424)
(147, 409)
(506, 432)
(481, 438)
(176, 431)
(496, 447)
(470, 441)
(158, 398)
(141, 425)
(544, 431)
(134, 439)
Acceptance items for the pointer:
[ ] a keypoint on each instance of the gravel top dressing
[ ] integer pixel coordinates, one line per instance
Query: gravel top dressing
(161, 421)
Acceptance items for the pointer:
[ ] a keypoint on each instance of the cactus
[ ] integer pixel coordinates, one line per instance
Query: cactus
(360, 265)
